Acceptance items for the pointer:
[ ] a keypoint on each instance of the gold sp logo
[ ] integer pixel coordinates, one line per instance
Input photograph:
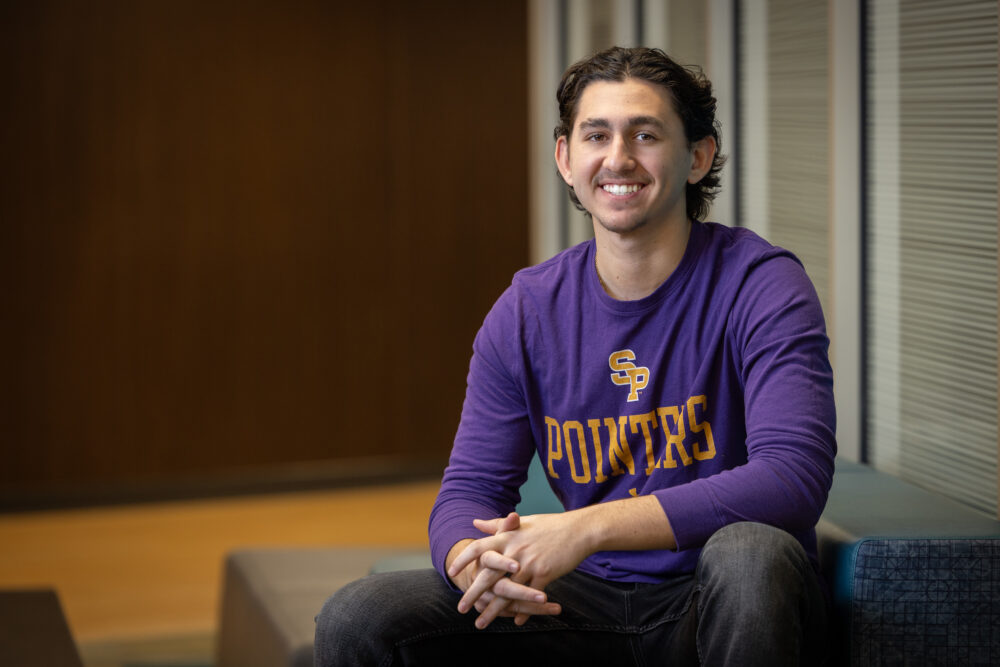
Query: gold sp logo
(626, 372)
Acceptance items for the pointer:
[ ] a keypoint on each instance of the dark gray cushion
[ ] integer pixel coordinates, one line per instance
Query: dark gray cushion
(925, 601)
(915, 577)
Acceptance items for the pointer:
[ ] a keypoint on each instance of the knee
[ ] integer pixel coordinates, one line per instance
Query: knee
(759, 597)
(345, 606)
(351, 627)
(363, 622)
(339, 622)
(755, 555)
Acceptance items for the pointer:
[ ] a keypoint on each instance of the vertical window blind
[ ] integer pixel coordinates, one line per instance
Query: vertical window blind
(931, 239)
(784, 173)
(798, 178)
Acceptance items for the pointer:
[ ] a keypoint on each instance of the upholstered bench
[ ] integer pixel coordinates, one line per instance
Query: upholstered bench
(915, 579)
(33, 630)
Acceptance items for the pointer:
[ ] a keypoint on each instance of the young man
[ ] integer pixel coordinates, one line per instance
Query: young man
(672, 376)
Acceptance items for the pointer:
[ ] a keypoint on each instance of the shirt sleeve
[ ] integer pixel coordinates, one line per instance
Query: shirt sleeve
(777, 329)
(494, 444)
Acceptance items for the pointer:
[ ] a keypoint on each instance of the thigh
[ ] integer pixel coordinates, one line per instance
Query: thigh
(411, 618)
(760, 601)
(593, 629)
(364, 622)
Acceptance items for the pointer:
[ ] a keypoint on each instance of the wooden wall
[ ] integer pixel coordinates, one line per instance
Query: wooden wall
(240, 235)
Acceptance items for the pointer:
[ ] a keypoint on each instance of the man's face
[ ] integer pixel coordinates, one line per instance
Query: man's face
(627, 157)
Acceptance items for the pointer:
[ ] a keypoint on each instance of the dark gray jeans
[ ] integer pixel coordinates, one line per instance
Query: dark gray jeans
(753, 600)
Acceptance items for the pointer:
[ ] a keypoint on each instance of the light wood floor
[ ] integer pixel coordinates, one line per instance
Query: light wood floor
(155, 569)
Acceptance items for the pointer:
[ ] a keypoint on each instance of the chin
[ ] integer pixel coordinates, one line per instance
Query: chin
(619, 226)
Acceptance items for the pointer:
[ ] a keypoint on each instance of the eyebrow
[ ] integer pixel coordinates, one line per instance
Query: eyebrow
(634, 121)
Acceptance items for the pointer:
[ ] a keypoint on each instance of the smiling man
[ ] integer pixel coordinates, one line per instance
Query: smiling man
(672, 375)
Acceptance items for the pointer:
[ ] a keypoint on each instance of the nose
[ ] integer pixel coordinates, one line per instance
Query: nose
(619, 158)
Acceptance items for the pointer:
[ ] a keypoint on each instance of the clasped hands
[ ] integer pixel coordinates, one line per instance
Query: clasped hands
(505, 573)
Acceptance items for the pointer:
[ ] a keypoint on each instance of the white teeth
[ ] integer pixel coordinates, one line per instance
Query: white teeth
(620, 189)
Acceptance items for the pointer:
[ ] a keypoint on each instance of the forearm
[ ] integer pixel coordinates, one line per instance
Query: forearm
(546, 546)
(632, 524)
(783, 485)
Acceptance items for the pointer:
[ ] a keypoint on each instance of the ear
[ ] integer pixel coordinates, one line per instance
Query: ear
(562, 159)
(702, 156)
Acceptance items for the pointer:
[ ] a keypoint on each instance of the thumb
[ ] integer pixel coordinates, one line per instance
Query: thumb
(510, 522)
(496, 526)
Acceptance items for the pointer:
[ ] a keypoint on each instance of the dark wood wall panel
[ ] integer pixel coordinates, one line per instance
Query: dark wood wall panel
(243, 234)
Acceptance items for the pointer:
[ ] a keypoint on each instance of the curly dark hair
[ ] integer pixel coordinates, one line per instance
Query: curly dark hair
(690, 91)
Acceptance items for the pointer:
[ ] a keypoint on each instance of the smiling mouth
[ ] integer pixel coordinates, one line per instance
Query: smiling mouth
(621, 189)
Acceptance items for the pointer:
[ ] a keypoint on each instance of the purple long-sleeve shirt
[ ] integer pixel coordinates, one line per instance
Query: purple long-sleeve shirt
(714, 394)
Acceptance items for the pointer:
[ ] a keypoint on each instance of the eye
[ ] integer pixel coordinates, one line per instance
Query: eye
(595, 136)
(645, 137)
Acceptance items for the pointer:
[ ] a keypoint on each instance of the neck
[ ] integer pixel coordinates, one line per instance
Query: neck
(631, 267)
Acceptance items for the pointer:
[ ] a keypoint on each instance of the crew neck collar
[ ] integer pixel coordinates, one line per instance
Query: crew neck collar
(667, 287)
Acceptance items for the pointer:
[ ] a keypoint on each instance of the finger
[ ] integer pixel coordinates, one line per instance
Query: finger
(493, 609)
(510, 522)
(496, 526)
(498, 561)
(546, 608)
(493, 578)
(488, 526)
(484, 601)
(517, 608)
(468, 555)
(500, 606)
(483, 582)
(510, 589)
(525, 610)
(534, 604)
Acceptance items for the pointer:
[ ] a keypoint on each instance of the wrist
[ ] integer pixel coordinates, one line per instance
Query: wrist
(459, 579)
(587, 529)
